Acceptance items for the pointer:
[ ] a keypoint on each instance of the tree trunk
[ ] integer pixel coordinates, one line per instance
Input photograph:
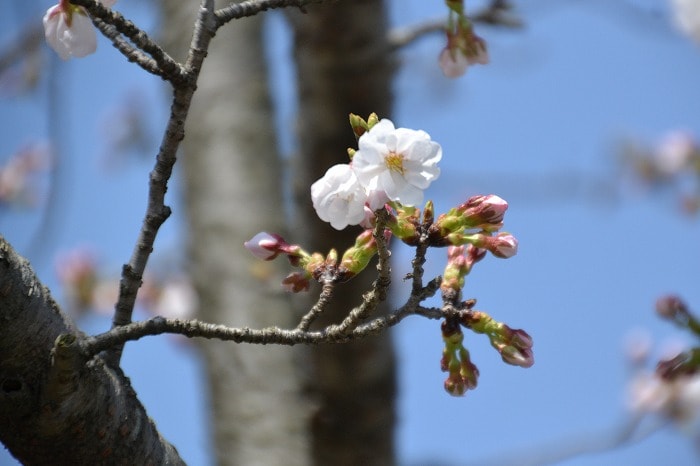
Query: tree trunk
(56, 408)
(232, 190)
(343, 65)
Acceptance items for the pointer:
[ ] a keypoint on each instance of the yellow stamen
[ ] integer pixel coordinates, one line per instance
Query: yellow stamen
(394, 162)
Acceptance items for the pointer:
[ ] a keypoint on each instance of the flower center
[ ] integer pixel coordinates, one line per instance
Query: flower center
(394, 162)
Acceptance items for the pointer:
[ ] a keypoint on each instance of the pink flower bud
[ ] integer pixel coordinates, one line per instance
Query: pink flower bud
(520, 339)
(672, 308)
(265, 246)
(476, 51)
(485, 211)
(517, 357)
(452, 63)
(474, 255)
(455, 386)
(504, 245)
(69, 31)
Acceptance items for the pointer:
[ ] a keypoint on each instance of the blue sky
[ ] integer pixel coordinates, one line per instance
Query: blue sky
(539, 126)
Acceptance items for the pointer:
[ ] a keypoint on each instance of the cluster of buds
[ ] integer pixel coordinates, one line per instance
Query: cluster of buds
(672, 390)
(268, 246)
(475, 222)
(470, 230)
(462, 374)
(360, 126)
(464, 47)
(514, 346)
(455, 229)
(357, 257)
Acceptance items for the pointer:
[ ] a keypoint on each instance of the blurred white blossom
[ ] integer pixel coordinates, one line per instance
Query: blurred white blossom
(686, 16)
(677, 399)
(675, 151)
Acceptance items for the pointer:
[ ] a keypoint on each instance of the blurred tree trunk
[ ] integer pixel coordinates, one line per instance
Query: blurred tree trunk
(343, 65)
(231, 175)
(230, 158)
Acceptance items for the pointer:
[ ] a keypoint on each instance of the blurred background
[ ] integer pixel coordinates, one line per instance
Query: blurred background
(570, 123)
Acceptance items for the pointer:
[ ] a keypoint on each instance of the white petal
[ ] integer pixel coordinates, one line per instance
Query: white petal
(52, 20)
(338, 197)
(80, 38)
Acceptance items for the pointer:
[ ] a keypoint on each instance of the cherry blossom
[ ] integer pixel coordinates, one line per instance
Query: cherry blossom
(339, 198)
(460, 53)
(503, 245)
(69, 30)
(264, 245)
(398, 161)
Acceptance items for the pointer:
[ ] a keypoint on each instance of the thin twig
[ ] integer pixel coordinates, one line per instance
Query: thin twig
(117, 336)
(378, 293)
(129, 51)
(318, 308)
(157, 212)
(170, 69)
(496, 14)
(253, 7)
(400, 37)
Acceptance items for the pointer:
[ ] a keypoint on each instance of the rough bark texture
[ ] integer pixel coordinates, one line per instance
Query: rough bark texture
(343, 66)
(54, 408)
(232, 190)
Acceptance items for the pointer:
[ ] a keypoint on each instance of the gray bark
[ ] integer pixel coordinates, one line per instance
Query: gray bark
(232, 190)
(56, 408)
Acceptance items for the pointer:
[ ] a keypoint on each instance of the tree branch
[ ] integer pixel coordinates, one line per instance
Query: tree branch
(349, 329)
(131, 53)
(253, 7)
(318, 308)
(157, 212)
(170, 70)
(267, 336)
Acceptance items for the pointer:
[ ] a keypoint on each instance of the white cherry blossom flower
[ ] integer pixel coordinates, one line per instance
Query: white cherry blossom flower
(399, 161)
(339, 198)
(69, 31)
